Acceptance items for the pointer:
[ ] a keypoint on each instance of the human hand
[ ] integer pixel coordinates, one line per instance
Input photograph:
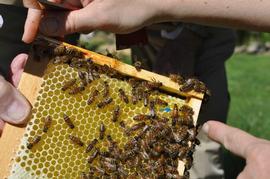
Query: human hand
(32, 21)
(118, 16)
(256, 151)
(14, 108)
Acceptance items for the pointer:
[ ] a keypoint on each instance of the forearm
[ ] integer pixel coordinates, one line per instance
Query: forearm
(252, 14)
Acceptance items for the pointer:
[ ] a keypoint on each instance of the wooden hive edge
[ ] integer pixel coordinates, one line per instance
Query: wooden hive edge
(129, 70)
(30, 84)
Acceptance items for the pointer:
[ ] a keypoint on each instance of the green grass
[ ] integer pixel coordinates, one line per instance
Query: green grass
(249, 85)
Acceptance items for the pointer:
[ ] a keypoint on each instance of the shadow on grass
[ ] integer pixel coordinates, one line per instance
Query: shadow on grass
(233, 165)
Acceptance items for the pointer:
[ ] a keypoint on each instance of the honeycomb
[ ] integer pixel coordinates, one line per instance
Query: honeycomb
(55, 156)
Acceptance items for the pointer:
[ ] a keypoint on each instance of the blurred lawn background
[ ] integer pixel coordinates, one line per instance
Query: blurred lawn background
(249, 86)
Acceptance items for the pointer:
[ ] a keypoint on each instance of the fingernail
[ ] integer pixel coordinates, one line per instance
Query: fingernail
(49, 26)
(205, 128)
(16, 111)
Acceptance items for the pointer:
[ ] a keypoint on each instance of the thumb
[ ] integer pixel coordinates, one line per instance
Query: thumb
(31, 25)
(14, 108)
(233, 139)
(17, 68)
(63, 23)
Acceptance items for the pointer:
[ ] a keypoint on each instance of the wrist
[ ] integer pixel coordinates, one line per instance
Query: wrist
(168, 10)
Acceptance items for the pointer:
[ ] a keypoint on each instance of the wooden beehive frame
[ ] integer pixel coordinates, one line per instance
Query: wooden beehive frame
(31, 81)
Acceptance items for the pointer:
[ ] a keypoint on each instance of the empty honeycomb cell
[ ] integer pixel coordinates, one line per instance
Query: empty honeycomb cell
(44, 170)
(27, 169)
(22, 164)
(34, 167)
(50, 175)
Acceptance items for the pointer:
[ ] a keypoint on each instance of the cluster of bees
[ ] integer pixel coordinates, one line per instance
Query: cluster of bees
(156, 143)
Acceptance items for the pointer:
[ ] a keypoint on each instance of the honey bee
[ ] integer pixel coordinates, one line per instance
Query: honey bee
(172, 152)
(84, 176)
(134, 97)
(68, 84)
(92, 75)
(142, 133)
(161, 134)
(186, 113)
(145, 98)
(59, 50)
(93, 156)
(161, 102)
(131, 153)
(152, 85)
(181, 135)
(47, 123)
(61, 59)
(57, 60)
(68, 121)
(111, 141)
(123, 96)
(163, 119)
(122, 124)
(144, 154)
(76, 62)
(95, 74)
(152, 109)
(175, 115)
(82, 76)
(135, 127)
(133, 82)
(92, 98)
(91, 145)
(116, 113)
(183, 153)
(138, 65)
(105, 102)
(140, 93)
(34, 142)
(105, 154)
(102, 130)
(76, 90)
(106, 89)
(111, 167)
(177, 78)
(76, 140)
(186, 110)
(73, 52)
(131, 144)
(113, 147)
(141, 117)
(110, 71)
(122, 172)
(105, 69)
(188, 85)
(90, 63)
